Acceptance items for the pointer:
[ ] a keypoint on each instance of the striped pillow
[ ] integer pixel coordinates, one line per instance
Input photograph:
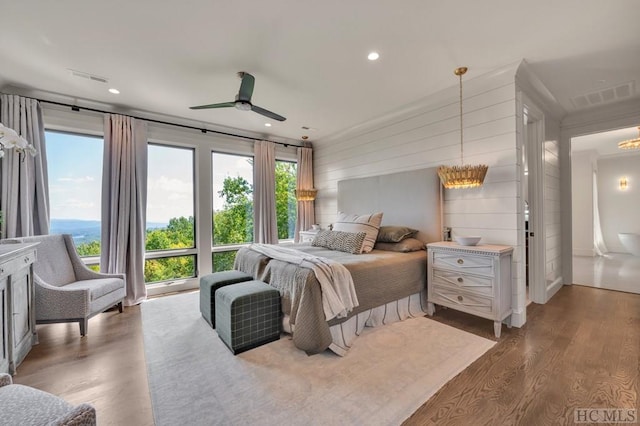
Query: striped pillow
(367, 223)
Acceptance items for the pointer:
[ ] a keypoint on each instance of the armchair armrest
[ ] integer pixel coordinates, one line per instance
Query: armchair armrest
(58, 302)
(81, 270)
(5, 379)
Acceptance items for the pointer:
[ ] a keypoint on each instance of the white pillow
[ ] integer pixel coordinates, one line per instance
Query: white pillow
(367, 223)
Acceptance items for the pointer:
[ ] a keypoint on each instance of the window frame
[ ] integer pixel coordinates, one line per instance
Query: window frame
(186, 251)
(91, 123)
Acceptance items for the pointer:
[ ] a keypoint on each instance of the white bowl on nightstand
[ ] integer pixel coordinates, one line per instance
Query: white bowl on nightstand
(467, 240)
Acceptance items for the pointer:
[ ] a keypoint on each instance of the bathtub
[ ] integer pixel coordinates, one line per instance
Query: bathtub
(631, 242)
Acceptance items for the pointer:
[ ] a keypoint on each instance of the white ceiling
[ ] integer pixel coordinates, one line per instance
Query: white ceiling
(309, 58)
(605, 143)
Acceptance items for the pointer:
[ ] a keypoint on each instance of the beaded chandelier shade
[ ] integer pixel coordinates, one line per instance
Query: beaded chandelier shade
(465, 175)
(306, 194)
(631, 143)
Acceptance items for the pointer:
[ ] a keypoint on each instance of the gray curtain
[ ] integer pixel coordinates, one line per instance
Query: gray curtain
(304, 180)
(124, 200)
(265, 225)
(25, 188)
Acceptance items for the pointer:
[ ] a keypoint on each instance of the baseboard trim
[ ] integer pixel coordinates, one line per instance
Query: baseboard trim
(518, 319)
(553, 288)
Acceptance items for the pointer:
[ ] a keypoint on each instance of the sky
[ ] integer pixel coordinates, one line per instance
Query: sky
(228, 165)
(75, 179)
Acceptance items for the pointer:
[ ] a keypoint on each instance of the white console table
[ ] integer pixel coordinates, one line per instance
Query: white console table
(17, 300)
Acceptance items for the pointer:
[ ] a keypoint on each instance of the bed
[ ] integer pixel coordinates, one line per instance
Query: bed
(390, 285)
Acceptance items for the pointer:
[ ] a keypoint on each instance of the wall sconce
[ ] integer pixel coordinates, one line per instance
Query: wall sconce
(306, 194)
(624, 184)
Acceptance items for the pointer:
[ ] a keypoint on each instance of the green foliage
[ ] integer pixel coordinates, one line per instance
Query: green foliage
(178, 234)
(169, 268)
(234, 223)
(223, 261)
(89, 249)
(286, 205)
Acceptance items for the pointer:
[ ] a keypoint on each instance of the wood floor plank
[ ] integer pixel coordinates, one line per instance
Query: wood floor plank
(580, 350)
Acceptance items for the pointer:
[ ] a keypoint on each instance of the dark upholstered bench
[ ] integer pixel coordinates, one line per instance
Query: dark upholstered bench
(208, 286)
(247, 315)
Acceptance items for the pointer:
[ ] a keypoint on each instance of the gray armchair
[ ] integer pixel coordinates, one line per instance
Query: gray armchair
(65, 289)
(24, 405)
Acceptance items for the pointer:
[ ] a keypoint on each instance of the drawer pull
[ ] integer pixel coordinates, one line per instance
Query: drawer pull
(26, 260)
(460, 261)
(1, 270)
(460, 298)
(460, 279)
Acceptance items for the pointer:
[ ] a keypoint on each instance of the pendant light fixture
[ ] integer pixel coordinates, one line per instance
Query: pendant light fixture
(463, 176)
(630, 143)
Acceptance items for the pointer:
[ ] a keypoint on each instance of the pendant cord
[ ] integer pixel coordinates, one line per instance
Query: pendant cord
(461, 131)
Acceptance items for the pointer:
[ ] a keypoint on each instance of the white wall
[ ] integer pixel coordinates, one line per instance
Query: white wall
(594, 120)
(619, 210)
(427, 135)
(583, 164)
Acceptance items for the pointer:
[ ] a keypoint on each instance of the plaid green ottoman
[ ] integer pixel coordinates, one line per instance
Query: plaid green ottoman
(208, 286)
(247, 315)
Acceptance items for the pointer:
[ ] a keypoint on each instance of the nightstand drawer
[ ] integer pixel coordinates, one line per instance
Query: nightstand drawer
(455, 280)
(462, 301)
(463, 263)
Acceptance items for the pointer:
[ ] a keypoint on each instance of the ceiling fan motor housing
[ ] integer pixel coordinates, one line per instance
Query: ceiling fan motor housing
(243, 105)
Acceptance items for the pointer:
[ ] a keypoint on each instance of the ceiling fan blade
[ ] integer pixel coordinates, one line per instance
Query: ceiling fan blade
(221, 105)
(267, 113)
(246, 87)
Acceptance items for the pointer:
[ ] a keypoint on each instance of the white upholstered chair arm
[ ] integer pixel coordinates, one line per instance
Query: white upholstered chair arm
(81, 270)
(5, 379)
(58, 302)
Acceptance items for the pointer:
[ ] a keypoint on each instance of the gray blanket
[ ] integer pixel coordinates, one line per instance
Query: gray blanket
(379, 277)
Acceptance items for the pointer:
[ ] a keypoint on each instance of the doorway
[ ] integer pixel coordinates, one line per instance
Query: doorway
(605, 201)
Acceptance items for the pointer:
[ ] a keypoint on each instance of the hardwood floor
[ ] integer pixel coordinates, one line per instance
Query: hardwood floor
(580, 350)
(105, 368)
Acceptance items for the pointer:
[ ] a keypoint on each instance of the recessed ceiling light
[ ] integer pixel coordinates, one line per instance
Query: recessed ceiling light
(114, 91)
(267, 124)
(373, 56)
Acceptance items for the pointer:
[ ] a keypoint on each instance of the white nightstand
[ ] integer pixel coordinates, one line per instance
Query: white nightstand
(472, 279)
(308, 236)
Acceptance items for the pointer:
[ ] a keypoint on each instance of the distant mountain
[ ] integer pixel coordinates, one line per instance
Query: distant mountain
(86, 231)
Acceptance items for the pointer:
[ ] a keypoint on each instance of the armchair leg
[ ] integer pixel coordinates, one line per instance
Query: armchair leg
(84, 324)
(120, 307)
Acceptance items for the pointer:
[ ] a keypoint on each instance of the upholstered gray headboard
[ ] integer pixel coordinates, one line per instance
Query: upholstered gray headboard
(407, 198)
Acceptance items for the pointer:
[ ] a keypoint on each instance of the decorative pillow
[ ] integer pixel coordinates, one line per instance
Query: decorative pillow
(404, 246)
(348, 242)
(394, 234)
(367, 223)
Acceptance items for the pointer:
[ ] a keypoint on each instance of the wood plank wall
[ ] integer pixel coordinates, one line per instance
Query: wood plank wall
(428, 135)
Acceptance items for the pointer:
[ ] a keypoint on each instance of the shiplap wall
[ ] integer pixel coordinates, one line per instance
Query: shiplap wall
(428, 135)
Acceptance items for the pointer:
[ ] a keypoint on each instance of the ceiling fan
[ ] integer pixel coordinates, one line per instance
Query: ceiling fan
(243, 99)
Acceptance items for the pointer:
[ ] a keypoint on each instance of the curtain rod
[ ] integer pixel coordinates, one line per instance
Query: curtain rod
(184, 126)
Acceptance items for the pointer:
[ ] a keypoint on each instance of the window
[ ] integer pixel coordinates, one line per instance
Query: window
(232, 206)
(286, 205)
(170, 240)
(232, 199)
(75, 187)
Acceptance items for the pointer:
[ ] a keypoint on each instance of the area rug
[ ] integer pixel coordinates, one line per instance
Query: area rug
(388, 374)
